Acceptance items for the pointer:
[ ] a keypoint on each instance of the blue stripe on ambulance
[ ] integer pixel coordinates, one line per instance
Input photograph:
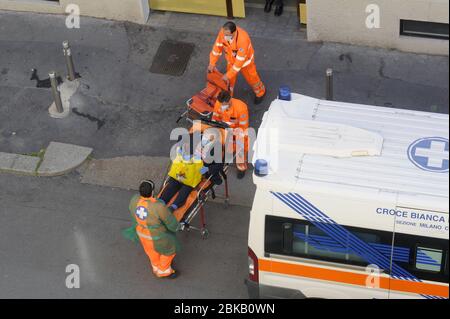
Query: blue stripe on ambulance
(344, 237)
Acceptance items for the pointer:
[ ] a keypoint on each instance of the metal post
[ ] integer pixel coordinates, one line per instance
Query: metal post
(69, 61)
(55, 92)
(329, 81)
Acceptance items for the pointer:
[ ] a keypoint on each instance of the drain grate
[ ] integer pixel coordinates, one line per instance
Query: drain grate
(172, 57)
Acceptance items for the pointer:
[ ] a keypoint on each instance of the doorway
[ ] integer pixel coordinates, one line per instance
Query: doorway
(235, 8)
(298, 6)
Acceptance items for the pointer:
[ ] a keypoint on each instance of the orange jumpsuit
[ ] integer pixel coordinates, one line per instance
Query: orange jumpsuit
(237, 117)
(146, 209)
(240, 57)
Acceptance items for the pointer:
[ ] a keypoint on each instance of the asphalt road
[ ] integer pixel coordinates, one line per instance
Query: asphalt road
(48, 224)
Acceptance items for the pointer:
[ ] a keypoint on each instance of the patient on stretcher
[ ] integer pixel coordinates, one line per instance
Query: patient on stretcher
(187, 172)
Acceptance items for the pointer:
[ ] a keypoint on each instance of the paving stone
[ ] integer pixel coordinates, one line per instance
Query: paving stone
(61, 158)
(16, 163)
(6, 160)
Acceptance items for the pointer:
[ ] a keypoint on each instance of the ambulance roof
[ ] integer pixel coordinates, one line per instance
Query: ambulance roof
(343, 144)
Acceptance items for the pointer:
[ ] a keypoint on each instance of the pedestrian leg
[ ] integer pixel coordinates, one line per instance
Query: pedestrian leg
(165, 268)
(252, 77)
(153, 255)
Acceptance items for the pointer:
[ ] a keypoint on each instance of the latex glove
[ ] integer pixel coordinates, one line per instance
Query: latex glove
(211, 68)
(226, 79)
(204, 170)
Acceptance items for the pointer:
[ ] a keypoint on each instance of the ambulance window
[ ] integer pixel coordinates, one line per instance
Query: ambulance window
(311, 241)
(368, 238)
(429, 259)
(299, 246)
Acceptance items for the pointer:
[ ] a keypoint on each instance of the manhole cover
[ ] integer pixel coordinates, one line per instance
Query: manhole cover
(172, 57)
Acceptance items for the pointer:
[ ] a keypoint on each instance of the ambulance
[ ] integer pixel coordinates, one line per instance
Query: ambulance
(352, 201)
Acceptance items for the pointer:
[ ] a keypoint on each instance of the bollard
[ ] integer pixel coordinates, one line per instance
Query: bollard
(329, 84)
(55, 92)
(69, 61)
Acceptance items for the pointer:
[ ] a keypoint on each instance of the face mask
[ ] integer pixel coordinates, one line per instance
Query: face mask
(229, 38)
(224, 107)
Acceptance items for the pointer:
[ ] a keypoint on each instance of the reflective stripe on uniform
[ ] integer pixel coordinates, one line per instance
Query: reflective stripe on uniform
(236, 69)
(247, 63)
(259, 87)
(243, 123)
(215, 53)
(240, 58)
(144, 236)
(219, 44)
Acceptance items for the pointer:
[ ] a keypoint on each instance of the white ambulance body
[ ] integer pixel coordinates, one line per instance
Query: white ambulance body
(354, 205)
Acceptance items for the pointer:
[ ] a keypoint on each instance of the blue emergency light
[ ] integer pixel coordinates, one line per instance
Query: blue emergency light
(261, 168)
(284, 93)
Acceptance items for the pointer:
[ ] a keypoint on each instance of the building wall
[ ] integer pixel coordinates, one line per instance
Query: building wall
(123, 10)
(345, 21)
(210, 7)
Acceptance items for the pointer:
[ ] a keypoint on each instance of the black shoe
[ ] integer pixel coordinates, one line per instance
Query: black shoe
(278, 10)
(240, 174)
(259, 99)
(268, 6)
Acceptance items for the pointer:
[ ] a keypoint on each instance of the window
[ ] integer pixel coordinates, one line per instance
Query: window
(314, 243)
(424, 258)
(303, 239)
(424, 29)
(429, 259)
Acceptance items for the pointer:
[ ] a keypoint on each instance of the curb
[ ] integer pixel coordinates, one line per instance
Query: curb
(59, 159)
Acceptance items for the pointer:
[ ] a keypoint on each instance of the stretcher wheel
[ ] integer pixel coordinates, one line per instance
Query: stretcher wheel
(204, 233)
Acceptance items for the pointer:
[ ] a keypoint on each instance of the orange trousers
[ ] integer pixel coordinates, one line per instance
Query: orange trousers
(162, 265)
(252, 77)
(240, 146)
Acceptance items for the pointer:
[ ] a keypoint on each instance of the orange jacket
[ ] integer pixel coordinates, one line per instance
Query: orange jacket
(239, 53)
(236, 115)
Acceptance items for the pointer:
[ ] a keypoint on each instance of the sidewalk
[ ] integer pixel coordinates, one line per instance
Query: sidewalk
(57, 159)
(124, 110)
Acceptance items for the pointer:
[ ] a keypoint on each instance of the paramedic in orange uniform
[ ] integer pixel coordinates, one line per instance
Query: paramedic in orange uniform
(156, 228)
(234, 112)
(239, 53)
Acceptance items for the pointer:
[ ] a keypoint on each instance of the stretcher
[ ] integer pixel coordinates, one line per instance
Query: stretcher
(195, 203)
(201, 105)
(201, 194)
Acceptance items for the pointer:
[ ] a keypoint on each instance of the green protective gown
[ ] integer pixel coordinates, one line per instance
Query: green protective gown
(162, 225)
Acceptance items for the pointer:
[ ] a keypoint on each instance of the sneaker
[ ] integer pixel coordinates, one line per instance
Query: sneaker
(240, 174)
(259, 99)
